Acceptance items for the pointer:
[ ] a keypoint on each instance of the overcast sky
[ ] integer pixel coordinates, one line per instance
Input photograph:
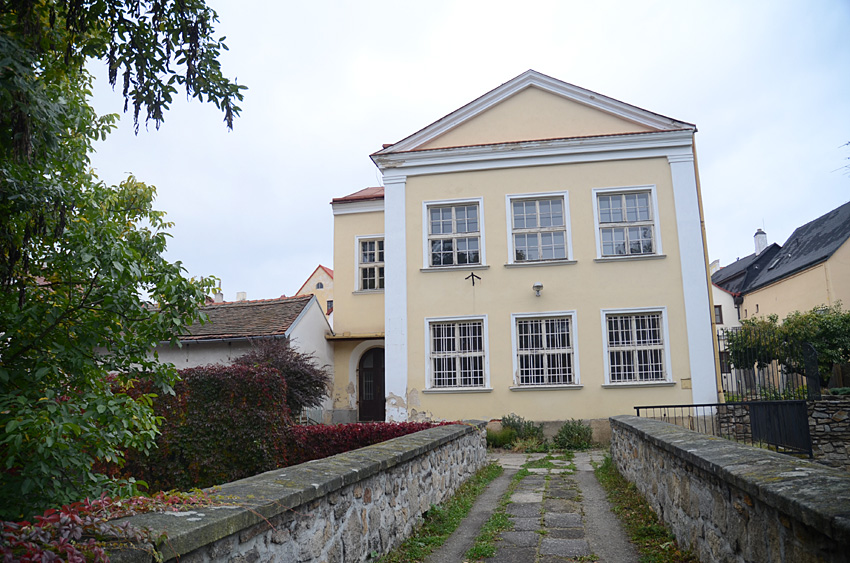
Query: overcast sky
(766, 82)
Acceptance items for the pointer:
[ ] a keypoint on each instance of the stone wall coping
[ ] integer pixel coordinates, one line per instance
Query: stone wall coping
(260, 498)
(811, 493)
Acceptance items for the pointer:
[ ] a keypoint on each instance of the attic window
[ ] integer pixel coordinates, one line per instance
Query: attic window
(320, 285)
(776, 261)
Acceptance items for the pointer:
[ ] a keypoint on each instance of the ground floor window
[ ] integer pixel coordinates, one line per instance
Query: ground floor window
(544, 350)
(457, 353)
(635, 347)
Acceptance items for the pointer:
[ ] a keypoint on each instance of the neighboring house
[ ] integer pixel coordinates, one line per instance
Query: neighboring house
(811, 269)
(321, 284)
(234, 326)
(539, 251)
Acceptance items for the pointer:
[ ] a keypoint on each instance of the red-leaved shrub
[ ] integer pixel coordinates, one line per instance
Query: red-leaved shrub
(222, 424)
(316, 442)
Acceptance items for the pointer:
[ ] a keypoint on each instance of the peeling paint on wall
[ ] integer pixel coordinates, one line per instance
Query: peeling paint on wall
(413, 399)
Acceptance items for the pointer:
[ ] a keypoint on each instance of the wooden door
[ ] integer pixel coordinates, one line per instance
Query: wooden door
(371, 386)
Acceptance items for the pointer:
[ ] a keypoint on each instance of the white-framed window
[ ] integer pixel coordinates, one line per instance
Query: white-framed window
(457, 353)
(626, 222)
(370, 263)
(454, 233)
(636, 345)
(544, 349)
(538, 227)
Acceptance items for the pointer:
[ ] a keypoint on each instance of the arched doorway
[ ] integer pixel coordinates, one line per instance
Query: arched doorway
(371, 386)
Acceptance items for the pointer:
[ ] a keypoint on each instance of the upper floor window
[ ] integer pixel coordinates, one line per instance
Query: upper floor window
(454, 234)
(320, 285)
(371, 264)
(635, 347)
(718, 314)
(626, 222)
(539, 228)
(544, 350)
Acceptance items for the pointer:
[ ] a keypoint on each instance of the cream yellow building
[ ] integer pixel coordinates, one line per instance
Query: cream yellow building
(321, 284)
(539, 251)
(810, 270)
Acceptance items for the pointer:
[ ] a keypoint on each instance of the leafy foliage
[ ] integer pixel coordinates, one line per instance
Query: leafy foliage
(222, 424)
(762, 341)
(81, 531)
(321, 440)
(307, 383)
(523, 428)
(80, 262)
(501, 438)
(573, 435)
(84, 317)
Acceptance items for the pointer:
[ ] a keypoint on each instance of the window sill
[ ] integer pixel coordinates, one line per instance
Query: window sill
(639, 384)
(458, 390)
(540, 263)
(630, 258)
(455, 268)
(566, 387)
(366, 291)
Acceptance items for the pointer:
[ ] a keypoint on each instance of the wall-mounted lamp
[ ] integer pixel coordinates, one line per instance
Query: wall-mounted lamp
(537, 287)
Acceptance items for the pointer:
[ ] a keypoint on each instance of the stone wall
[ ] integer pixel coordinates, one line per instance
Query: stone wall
(829, 427)
(349, 507)
(729, 502)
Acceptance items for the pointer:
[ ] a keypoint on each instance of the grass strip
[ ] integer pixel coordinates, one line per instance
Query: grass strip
(485, 543)
(654, 542)
(440, 521)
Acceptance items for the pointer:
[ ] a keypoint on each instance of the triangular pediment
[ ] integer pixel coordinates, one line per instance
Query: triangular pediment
(534, 107)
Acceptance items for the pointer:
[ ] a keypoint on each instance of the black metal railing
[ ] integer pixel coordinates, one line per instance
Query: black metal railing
(780, 425)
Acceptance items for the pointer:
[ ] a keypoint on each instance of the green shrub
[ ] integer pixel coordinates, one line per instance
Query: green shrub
(500, 438)
(573, 435)
(523, 428)
(531, 445)
(839, 391)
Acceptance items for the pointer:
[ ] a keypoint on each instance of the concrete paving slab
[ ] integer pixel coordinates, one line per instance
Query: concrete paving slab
(527, 497)
(562, 520)
(561, 493)
(565, 533)
(514, 555)
(564, 548)
(526, 510)
(526, 524)
(521, 539)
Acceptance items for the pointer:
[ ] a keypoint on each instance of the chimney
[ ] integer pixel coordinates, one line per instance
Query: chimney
(761, 241)
(218, 298)
(241, 296)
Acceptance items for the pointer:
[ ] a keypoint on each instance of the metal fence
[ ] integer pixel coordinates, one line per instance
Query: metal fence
(758, 365)
(781, 426)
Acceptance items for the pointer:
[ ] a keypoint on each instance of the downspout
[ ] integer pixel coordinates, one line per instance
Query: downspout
(718, 381)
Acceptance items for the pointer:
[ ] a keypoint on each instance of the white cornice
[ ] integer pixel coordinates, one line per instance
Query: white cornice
(669, 144)
(367, 206)
(525, 80)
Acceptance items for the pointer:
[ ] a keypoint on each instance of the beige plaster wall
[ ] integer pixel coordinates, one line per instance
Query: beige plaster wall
(355, 312)
(800, 292)
(530, 115)
(838, 276)
(586, 287)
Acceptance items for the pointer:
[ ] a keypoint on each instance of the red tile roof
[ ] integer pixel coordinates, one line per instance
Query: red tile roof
(247, 319)
(328, 271)
(363, 195)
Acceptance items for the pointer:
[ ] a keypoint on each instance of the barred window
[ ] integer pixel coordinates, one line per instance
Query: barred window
(635, 348)
(454, 235)
(544, 351)
(457, 354)
(626, 225)
(539, 229)
(371, 264)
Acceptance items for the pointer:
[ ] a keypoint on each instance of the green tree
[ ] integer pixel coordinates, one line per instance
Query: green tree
(84, 290)
(825, 328)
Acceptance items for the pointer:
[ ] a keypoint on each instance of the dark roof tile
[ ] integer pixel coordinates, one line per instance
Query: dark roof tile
(248, 319)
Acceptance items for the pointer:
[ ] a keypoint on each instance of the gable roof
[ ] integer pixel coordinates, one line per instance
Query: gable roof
(261, 318)
(807, 246)
(328, 271)
(532, 78)
(365, 194)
